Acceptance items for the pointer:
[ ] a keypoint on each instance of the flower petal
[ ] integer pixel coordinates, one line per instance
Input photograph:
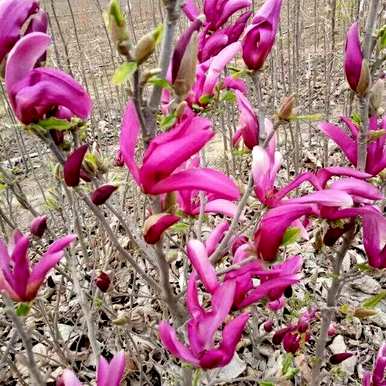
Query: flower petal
(73, 165)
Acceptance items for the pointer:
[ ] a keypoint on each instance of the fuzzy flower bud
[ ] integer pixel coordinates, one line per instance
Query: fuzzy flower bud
(146, 45)
(116, 22)
(286, 108)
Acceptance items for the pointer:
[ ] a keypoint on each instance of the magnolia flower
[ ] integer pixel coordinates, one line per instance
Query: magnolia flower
(14, 14)
(158, 173)
(17, 279)
(73, 170)
(377, 377)
(202, 350)
(211, 44)
(376, 156)
(248, 127)
(260, 36)
(108, 374)
(35, 92)
(355, 67)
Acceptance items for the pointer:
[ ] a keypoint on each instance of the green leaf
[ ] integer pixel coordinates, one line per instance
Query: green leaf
(53, 123)
(287, 363)
(124, 72)
(241, 152)
(373, 301)
(3, 187)
(228, 96)
(205, 99)
(291, 235)
(180, 227)
(364, 267)
(356, 117)
(266, 383)
(167, 122)
(382, 37)
(163, 83)
(22, 309)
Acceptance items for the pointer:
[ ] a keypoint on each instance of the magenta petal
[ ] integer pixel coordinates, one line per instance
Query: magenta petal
(128, 138)
(23, 57)
(353, 56)
(102, 371)
(60, 244)
(198, 257)
(235, 84)
(192, 302)
(220, 206)
(273, 226)
(38, 23)
(217, 66)
(328, 197)
(73, 165)
(213, 45)
(102, 194)
(69, 378)
(156, 225)
(229, 8)
(21, 271)
(323, 175)
(230, 337)
(183, 141)
(347, 144)
(170, 341)
(190, 9)
(13, 14)
(207, 180)
(357, 188)
(248, 121)
(215, 237)
(374, 239)
(340, 357)
(116, 370)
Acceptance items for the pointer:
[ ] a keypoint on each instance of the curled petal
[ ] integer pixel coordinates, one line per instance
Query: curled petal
(215, 237)
(205, 179)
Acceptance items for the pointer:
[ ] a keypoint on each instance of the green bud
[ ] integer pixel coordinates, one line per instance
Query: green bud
(146, 45)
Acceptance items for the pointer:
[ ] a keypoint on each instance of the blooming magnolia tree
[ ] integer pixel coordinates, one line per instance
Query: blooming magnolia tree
(241, 274)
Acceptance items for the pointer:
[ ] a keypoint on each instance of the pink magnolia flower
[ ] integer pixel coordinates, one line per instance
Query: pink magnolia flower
(14, 14)
(260, 36)
(355, 67)
(376, 156)
(35, 92)
(248, 127)
(158, 174)
(17, 279)
(108, 374)
(377, 377)
(202, 350)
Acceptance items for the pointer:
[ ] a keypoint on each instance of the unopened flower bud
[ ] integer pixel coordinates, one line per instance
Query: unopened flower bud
(268, 326)
(73, 165)
(102, 194)
(156, 225)
(118, 160)
(364, 83)
(279, 334)
(180, 109)
(186, 75)
(38, 226)
(146, 45)
(286, 108)
(116, 22)
(376, 97)
(339, 358)
(303, 325)
(103, 281)
(291, 342)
